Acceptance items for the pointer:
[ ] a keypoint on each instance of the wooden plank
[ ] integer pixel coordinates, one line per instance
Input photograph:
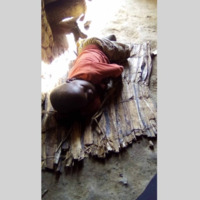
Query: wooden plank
(147, 112)
(101, 142)
(68, 159)
(112, 137)
(43, 154)
(76, 147)
(88, 136)
(148, 108)
(116, 132)
(153, 123)
(57, 156)
(50, 152)
(137, 101)
(122, 122)
(98, 147)
(94, 147)
(50, 141)
(148, 62)
(133, 109)
(102, 146)
(128, 111)
(138, 107)
(135, 123)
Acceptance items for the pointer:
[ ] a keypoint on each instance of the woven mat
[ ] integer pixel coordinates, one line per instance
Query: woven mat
(129, 113)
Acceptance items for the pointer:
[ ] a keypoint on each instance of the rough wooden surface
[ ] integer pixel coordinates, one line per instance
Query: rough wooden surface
(124, 117)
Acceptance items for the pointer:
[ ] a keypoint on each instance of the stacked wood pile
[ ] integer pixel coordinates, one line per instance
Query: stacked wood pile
(128, 113)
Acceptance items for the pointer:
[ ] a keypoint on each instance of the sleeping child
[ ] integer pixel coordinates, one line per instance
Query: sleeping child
(87, 79)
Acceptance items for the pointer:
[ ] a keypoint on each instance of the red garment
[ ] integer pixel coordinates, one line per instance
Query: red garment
(93, 65)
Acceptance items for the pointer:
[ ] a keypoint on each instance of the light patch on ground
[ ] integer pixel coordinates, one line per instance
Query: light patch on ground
(51, 73)
(100, 12)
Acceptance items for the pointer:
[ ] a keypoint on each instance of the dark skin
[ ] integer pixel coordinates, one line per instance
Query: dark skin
(74, 102)
(72, 96)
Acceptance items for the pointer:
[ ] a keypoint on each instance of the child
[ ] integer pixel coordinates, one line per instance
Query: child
(88, 77)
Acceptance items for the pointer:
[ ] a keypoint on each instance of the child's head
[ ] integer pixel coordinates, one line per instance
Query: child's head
(72, 96)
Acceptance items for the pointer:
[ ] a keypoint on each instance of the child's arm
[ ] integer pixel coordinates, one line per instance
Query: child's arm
(103, 70)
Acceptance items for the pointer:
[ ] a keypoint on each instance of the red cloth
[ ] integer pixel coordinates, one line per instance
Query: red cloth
(93, 65)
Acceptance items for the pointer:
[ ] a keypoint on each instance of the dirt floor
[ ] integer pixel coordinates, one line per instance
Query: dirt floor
(125, 175)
